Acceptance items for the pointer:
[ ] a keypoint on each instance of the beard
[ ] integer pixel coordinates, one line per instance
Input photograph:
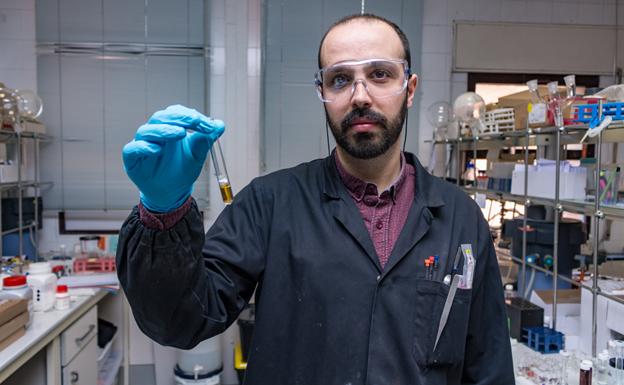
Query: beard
(368, 145)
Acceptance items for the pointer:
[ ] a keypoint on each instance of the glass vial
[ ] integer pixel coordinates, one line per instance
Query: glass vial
(223, 180)
(585, 373)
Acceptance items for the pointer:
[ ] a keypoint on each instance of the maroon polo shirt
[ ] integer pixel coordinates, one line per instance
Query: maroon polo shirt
(384, 214)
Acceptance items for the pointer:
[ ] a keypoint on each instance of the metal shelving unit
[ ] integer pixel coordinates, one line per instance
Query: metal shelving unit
(597, 211)
(21, 185)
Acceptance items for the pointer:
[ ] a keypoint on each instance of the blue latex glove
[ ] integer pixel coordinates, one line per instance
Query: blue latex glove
(164, 159)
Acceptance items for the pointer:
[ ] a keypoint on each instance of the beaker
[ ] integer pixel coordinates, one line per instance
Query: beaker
(223, 180)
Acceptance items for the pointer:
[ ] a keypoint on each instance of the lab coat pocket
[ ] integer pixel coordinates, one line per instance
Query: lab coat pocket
(431, 296)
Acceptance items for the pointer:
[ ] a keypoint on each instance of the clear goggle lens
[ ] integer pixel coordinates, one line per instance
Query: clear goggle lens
(381, 77)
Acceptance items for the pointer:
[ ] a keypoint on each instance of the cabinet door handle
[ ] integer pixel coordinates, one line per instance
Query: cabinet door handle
(74, 377)
(79, 340)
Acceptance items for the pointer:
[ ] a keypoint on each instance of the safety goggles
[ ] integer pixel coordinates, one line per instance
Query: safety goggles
(381, 78)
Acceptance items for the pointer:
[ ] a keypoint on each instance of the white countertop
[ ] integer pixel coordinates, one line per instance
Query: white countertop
(44, 327)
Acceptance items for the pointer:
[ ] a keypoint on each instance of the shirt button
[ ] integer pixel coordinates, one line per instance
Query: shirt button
(379, 225)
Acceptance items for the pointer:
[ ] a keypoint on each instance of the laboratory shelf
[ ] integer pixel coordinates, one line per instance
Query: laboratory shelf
(616, 131)
(8, 134)
(573, 206)
(540, 139)
(567, 279)
(27, 226)
(21, 185)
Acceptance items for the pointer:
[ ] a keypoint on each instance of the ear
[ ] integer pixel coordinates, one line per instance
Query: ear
(412, 83)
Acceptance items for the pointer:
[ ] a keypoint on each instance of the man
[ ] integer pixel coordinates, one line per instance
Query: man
(339, 248)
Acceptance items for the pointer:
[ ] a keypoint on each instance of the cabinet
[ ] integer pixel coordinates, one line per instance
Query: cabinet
(596, 212)
(79, 351)
(82, 370)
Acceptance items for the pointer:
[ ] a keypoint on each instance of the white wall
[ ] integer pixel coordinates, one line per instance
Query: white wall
(438, 83)
(18, 64)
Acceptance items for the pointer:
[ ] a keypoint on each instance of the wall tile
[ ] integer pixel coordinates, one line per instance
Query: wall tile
(435, 12)
(539, 11)
(19, 78)
(461, 10)
(436, 39)
(18, 54)
(488, 10)
(18, 4)
(17, 24)
(565, 13)
(435, 66)
(590, 13)
(514, 11)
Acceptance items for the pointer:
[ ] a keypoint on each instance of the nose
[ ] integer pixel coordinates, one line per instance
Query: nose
(360, 97)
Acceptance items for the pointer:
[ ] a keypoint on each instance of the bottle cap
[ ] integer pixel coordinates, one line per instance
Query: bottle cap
(564, 353)
(61, 289)
(586, 365)
(604, 356)
(14, 282)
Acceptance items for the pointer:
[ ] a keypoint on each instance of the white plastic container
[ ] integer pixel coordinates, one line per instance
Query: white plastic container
(15, 287)
(43, 284)
(62, 298)
(204, 359)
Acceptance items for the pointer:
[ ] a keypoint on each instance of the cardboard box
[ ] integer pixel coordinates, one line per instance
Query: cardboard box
(612, 269)
(14, 337)
(519, 102)
(11, 308)
(13, 325)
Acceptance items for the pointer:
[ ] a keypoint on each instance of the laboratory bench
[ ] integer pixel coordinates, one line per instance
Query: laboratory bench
(64, 344)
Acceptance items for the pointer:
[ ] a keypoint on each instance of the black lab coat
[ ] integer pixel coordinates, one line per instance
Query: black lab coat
(326, 312)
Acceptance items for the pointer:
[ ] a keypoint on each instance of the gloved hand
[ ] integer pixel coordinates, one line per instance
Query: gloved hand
(164, 159)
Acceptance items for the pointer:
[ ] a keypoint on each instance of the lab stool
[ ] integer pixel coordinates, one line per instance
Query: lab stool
(543, 339)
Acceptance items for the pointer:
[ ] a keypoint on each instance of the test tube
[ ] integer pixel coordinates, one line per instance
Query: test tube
(218, 161)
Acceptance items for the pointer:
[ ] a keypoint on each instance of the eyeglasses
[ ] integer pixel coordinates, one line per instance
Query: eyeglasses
(381, 78)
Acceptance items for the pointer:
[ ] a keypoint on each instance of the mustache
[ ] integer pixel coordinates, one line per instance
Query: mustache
(363, 113)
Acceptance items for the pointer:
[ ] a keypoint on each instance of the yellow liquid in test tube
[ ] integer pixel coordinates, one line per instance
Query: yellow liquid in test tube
(226, 192)
(218, 162)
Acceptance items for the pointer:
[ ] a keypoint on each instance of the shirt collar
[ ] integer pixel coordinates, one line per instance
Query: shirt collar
(359, 188)
(429, 190)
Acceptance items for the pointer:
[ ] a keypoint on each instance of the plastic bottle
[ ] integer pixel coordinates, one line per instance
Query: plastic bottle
(15, 287)
(585, 373)
(62, 298)
(509, 293)
(602, 365)
(469, 174)
(565, 363)
(43, 284)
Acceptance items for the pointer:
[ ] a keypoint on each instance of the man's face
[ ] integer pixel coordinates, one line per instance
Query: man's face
(365, 126)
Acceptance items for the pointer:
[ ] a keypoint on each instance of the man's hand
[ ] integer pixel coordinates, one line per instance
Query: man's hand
(164, 159)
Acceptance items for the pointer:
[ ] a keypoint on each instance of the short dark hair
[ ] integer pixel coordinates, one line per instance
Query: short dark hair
(371, 17)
